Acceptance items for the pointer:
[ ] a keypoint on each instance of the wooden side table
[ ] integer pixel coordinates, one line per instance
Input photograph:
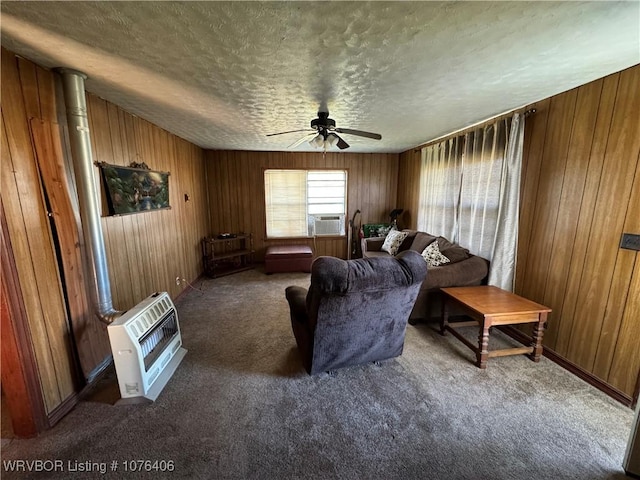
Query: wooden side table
(490, 306)
(225, 255)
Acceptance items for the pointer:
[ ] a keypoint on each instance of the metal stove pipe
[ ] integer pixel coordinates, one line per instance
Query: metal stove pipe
(76, 105)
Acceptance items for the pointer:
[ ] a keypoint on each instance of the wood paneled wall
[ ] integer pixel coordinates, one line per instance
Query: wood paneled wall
(28, 92)
(409, 165)
(236, 191)
(580, 192)
(145, 252)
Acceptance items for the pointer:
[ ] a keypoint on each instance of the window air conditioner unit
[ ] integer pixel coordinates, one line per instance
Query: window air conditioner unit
(328, 225)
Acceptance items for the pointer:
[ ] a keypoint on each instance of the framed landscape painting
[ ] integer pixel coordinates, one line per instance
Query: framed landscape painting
(134, 190)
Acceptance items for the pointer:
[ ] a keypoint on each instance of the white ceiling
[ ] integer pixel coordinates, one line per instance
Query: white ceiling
(224, 74)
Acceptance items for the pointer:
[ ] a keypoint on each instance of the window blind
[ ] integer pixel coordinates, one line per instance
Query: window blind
(286, 203)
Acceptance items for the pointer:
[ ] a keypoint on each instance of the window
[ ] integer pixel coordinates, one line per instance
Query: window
(441, 176)
(301, 203)
(470, 192)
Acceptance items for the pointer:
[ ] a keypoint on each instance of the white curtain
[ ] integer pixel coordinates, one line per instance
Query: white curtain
(440, 177)
(470, 192)
(483, 160)
(505, 245)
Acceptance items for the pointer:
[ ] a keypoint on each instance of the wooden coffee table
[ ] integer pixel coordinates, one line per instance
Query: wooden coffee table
(491, 306)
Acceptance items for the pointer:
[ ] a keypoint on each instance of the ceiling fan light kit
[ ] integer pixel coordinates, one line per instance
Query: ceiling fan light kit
(327, 133)
(317, 141)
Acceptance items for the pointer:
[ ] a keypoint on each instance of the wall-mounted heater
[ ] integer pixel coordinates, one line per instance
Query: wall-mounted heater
(147, 348)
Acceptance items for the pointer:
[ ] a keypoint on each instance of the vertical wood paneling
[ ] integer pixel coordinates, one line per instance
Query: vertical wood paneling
(585, 198)
(30, 234)
(593, 167)
(408, 190)
(46, 95)
(20, 377)
(236, 191)
(548, 196)
(621, 165)
(622, 305)
(90, 336)
(573, 180)
(29, 84)
(27, 276)
(535, 132)
(624, 367)
(147, 251)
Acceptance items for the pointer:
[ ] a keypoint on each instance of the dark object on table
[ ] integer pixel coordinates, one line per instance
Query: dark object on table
(222, 236)
(393, 216)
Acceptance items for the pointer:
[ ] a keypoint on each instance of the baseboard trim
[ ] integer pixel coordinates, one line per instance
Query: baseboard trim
(98, 374)
(61, 410)
(578, 371)
(99, 370)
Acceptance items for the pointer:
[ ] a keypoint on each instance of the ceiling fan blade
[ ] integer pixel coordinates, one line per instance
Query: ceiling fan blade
(289, 131)
(301, 141)
(360, 133)
(341, 143)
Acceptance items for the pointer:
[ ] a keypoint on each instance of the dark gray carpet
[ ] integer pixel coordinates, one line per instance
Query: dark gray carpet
(240, 406)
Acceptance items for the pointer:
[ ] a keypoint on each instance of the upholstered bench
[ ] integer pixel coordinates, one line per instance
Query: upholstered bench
(288, 258)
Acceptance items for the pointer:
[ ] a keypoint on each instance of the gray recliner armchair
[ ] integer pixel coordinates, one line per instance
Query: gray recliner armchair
(355, 311)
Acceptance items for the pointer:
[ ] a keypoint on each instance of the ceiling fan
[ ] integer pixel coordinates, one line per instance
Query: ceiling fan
(324, 133)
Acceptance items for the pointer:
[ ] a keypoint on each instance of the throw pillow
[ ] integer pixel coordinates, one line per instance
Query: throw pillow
(433, 257)
(422, 241)
(408, 241)
(393, 241)
(452, 251)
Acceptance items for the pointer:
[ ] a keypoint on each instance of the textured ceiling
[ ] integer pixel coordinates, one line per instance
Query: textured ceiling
(225, 74)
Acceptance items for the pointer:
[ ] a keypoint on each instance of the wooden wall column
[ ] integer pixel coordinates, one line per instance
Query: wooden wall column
(28, 92)
(19, 369)
(90, 335)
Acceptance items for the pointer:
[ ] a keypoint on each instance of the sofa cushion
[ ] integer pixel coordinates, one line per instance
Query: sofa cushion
(393, 241)
(411, 234)
(421, 241)
(452, 251)
(432, 255)
(375, 253)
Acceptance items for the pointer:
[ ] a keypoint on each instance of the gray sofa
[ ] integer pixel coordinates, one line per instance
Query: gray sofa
(355, 311)
(464, 270)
